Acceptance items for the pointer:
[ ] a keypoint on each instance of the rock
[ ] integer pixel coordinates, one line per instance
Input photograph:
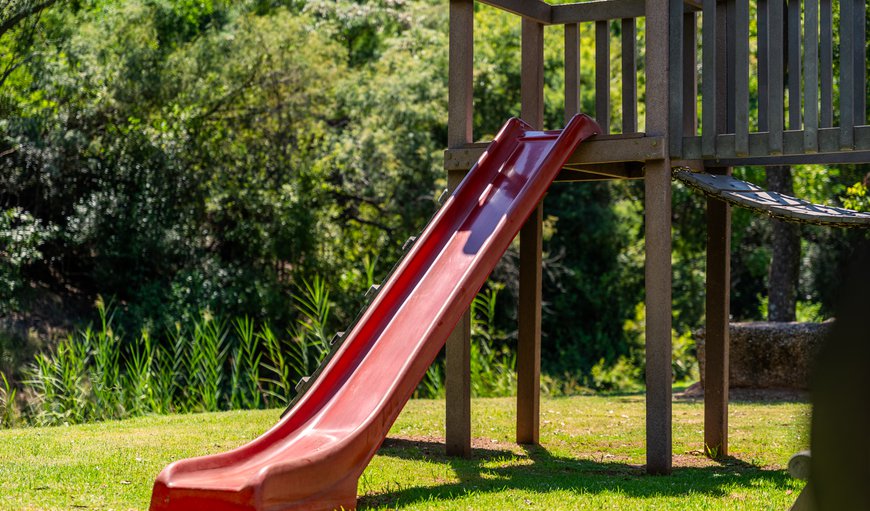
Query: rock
(768, 355)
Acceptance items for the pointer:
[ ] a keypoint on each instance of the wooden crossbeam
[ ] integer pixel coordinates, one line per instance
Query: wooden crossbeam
(535, 10)
(596, 10)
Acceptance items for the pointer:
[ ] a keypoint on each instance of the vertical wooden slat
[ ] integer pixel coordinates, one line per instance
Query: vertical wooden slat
(602, 75)
(860, 65)
(460, 73)
(531, 252)
(775, 99)
(629, 76)
(690, 74)
(741, 78)
(459, 133)
(763, 37)
(794, 64)
(532, 74)
(717, 317)
(710, 79)
(657, 224)
(724, 66)
(847, 75)
(675, 80)
(572, 70)
(826, 66)
(730, 63)
(811, 76)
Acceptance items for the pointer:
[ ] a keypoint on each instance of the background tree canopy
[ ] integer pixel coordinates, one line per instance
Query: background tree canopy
(182, 156)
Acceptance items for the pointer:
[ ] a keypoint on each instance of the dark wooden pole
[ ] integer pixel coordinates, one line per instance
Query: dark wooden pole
(531, 236)
(459, 133)
(657, 187)
(717, 336)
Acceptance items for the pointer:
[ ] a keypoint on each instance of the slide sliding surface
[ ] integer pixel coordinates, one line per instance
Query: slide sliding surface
(313, 457)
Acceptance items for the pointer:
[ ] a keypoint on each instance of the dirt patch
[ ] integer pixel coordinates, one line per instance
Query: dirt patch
(696, 392)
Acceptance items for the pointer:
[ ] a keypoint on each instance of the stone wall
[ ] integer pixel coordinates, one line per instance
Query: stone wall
(767, 355)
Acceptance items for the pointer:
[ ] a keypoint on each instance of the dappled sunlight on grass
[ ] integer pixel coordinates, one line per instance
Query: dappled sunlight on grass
(591, 457)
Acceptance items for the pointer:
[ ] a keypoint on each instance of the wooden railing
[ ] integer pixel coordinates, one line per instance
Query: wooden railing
(608, 154)
(780, 82)
(795, 111)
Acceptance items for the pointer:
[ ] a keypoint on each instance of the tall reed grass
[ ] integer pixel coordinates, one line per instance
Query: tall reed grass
(493, 360)
(210, 364)
(8, 409)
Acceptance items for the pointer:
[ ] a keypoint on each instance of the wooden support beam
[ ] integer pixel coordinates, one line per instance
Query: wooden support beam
(600, 149)
(531, 250)
(718, 311)
(793, 147)
(535, 10)
(657, 207)
(602, 10)
(529, 335)
(597, 10)
(459, 133)
(604, 171)
(458, 374)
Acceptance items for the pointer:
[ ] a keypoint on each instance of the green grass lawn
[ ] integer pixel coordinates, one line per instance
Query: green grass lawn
(591, 458)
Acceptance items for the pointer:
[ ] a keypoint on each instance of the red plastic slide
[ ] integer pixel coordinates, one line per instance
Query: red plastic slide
(314, 456)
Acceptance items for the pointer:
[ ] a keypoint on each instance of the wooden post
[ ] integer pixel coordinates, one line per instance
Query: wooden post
(602, 75)
(459, 133)
(531, 236)
(629, 75)
(657, 186)
(572, 70)
(718, 312)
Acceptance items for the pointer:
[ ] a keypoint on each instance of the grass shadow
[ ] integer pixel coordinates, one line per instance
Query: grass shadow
(544, 472)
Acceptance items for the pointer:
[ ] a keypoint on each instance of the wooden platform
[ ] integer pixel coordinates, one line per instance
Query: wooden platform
(783, 207)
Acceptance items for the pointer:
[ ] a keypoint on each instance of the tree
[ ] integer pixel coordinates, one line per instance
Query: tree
(782, 284)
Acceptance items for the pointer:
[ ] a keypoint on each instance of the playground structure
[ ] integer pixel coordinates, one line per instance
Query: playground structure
(796, 101)
(313, 457)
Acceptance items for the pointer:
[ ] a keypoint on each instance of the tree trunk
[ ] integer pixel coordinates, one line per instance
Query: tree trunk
(784, 273)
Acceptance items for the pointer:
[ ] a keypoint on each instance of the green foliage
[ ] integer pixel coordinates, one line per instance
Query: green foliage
(189, 156)
(627, 374)
(245, 373)
(623, 376)
(8, 405)
(493, 362)
(856, 197)
(21, 236)
(493, 359)
(805, 312)
(101, 373)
